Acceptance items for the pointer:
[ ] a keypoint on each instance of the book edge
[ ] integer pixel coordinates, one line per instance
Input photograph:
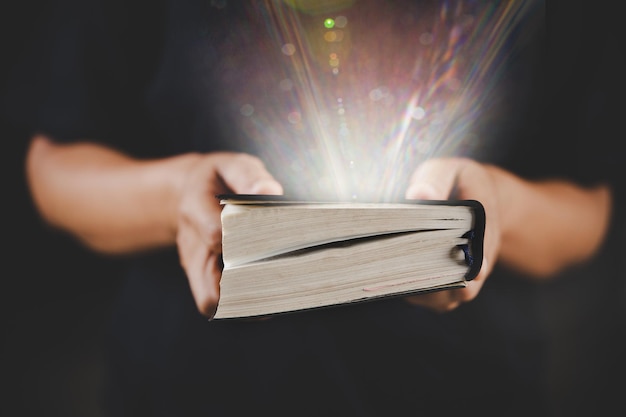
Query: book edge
(451, 286)
(476, 237)
(283, 199)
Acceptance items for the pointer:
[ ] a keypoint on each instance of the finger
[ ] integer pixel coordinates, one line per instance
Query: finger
(447, 300)
(439, 301)
(246, 174)
(200, 215)
(484, 272)
(204, 282)
(203, 269)
(469, 180)
(487, 195)
(434, 179)
(211, 285)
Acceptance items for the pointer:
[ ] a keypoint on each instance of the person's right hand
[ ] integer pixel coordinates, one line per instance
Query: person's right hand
(199, 229)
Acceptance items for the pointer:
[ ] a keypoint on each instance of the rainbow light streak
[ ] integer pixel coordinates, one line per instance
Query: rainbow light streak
(347, 103)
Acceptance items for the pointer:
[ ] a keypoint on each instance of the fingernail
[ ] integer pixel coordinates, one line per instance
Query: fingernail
(421, 191)
(266, 187)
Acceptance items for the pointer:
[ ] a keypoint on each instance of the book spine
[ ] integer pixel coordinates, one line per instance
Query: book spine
(473, 250)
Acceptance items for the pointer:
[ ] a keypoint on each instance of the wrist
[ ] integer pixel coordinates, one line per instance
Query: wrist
(168, 176)
(507, 193)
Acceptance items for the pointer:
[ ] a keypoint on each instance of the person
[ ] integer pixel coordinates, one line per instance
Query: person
(136, 115)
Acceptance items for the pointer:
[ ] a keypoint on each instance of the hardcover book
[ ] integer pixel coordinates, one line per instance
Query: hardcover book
(282, 255)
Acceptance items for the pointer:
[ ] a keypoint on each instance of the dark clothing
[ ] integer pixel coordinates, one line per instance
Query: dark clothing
(161, 78)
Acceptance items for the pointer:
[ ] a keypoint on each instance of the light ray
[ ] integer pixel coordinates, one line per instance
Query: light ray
(351, 95)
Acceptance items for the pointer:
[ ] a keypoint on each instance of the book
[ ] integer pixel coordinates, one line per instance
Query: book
(282, 255)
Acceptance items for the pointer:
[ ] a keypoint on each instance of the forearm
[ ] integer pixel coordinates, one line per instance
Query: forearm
(550, 225)
(111, 202)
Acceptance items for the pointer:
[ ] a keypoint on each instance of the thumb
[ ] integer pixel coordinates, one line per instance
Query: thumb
(246, 174)
(434, 179)
(266, 186)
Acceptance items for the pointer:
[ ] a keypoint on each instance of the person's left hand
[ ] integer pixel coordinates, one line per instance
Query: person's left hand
(436, 179)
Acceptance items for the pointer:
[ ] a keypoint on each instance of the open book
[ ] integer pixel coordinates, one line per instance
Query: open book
(282, 255)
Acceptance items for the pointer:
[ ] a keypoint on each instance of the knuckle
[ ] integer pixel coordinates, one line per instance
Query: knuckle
(247, 159)
(213, 234)
(185, 213)
(448, 307)
(207, 304)
(466, 296)
(182, 245)
(470, 292)
(182, 259)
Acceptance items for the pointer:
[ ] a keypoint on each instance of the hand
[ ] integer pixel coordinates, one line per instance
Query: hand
(199, 228)
(437, 179)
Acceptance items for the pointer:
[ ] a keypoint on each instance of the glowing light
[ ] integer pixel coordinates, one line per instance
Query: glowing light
(453, 84)
(295, 166)
(319, 7)
(341, 21)
(247, 110)
(426, 38)
(294, 117)
(418, 113)
(357, 107)
(336, 35)
(423, 147)
(288, 49)
(286, 84)
(378, 93)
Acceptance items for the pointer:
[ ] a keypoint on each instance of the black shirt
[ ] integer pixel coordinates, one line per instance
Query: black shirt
(346, 109)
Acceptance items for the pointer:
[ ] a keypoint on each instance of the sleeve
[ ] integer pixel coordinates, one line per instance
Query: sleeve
(600, 149)
(598, 143)
(584, 116)
(593, 84)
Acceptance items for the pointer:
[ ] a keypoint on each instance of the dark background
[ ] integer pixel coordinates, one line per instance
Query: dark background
(56, 297)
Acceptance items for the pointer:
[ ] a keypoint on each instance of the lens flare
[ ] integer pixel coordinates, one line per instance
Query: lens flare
(348, 109)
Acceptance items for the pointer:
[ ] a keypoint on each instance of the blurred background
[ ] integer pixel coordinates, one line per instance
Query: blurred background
(56, 297)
